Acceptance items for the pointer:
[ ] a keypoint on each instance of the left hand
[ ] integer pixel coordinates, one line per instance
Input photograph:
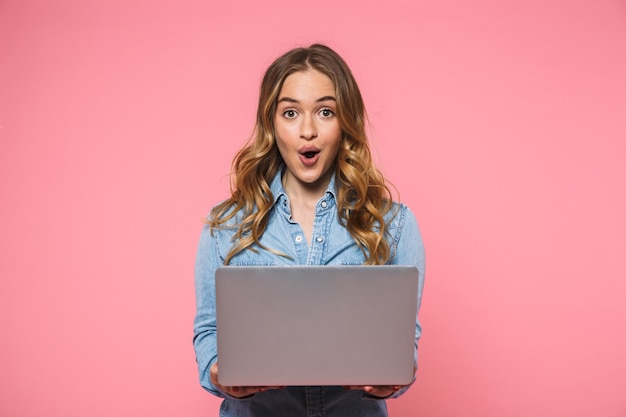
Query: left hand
(381, 391)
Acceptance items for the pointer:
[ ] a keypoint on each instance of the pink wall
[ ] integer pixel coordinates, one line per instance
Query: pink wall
(502, 123)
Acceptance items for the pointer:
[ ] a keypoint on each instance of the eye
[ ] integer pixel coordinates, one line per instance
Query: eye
(290, 114)
(327, 112)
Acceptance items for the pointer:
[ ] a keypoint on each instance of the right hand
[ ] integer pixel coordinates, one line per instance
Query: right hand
(237, 392)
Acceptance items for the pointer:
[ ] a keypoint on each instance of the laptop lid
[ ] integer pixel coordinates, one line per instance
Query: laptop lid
(316, 325)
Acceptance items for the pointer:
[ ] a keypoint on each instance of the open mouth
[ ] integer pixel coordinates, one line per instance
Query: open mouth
(309, 157)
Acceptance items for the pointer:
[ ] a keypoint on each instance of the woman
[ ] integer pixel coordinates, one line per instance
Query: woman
(304, 191)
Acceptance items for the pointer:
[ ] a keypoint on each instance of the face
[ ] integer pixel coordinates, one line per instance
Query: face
(307, 130)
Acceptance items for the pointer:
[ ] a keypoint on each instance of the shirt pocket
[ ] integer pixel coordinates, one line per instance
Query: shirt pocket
(341, 249)
(247, 257)
(248, 262)
(257, 257)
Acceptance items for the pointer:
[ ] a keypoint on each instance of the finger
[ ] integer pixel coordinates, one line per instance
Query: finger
(213, 372)
(381, 390)
(239, 392)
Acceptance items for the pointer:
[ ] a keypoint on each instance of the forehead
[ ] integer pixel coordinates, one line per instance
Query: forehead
(307, 84)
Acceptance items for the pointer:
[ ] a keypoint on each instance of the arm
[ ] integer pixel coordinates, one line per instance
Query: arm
(204, 329)
(208, 259)
(407, 249)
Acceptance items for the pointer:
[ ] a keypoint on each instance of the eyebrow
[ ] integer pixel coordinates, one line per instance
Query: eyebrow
(293, 100)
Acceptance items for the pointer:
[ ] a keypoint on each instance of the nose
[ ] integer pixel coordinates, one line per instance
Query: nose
(308, 129)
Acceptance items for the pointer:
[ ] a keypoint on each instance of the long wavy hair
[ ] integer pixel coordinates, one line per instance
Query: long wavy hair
(363, 196)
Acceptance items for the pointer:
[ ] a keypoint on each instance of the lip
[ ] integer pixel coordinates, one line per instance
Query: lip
(307, 149)
(308, 162)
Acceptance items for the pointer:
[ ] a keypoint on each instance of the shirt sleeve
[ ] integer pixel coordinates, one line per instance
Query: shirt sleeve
(408, 249)
(204, 328)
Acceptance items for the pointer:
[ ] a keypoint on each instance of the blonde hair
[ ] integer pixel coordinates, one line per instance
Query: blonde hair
(363, 196)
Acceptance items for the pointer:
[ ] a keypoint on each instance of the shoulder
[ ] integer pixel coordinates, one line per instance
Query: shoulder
(231, 217)
(407, 246)
(217, 237)
(398, 216)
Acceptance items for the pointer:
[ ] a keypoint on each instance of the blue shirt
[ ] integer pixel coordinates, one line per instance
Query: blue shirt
(331, 244)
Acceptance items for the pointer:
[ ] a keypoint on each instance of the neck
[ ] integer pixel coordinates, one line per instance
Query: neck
(308, 193)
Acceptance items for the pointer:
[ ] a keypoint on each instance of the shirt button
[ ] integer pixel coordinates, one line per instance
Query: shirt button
(319, 239)
(324, 204)
(298, 238)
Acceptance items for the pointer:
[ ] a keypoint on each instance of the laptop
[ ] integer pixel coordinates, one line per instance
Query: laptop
(316, 325)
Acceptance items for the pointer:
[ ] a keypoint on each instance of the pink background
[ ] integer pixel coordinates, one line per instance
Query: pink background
(502, 123)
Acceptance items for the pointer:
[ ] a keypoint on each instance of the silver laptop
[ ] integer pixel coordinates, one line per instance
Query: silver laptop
(316, 325)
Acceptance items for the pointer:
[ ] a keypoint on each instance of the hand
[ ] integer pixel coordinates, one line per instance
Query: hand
(237, 392)
(381, 391)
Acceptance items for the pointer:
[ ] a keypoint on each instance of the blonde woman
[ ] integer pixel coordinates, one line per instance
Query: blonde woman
(304, 192)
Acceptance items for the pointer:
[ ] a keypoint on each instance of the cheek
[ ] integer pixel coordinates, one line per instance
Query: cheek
(334, 135)
(282, 131)
(279, 137)
(281, 143)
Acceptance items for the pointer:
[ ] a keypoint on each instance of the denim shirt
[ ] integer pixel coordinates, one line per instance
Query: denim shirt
(331, 244)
